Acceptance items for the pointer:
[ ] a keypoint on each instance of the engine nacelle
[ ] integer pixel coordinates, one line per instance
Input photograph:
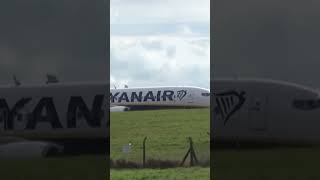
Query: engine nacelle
(30, 149)
(119, 109)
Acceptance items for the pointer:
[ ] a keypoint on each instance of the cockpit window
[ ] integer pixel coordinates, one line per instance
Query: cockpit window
(306, 104)
(205, 94)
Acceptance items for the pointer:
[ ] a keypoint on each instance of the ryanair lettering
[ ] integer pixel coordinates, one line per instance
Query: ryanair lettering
(155, 96)
(76, 108)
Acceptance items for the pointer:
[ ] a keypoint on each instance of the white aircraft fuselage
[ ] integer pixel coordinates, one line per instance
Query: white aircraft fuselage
(171, 96)
(54, 111)
(53, 117)
(263, 110)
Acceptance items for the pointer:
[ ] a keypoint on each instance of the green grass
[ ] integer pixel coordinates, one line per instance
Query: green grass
(167, 132)
(267, 164)
(79, 168)
(156, 174)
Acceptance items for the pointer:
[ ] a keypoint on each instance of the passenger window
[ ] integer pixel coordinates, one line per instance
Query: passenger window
(306, 104)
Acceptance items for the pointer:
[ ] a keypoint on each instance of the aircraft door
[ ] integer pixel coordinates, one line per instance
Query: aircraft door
(258, 114)
(190, 98)
(4, 114)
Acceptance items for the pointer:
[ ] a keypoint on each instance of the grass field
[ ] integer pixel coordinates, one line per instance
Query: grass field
(264, 164)
(166, 130)
(80, 168)
(267, 164)
(157, 174)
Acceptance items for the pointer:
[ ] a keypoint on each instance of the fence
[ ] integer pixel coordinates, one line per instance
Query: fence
(149, 162)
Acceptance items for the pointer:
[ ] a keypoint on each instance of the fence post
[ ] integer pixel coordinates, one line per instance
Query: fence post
(193, 157)
(191, 152)
(144, 152)
(185, 157)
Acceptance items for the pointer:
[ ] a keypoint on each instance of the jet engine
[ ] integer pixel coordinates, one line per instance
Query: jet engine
(30, 149)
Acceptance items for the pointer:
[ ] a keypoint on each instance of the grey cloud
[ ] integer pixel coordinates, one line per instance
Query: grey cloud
(171, 51)
(152, 45)
(270, 39)
(132, 66)
(67, 38)
(138, 67)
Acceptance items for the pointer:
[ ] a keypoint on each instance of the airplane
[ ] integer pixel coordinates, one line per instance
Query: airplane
(264, 111)
(72, 118)
(55, 118)
(166, 97)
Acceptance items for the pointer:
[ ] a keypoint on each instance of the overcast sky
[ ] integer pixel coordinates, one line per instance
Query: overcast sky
(160, 42)
(274, 39)
(64, 38)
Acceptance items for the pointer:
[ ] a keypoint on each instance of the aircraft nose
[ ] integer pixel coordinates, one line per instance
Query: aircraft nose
(206, 97)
